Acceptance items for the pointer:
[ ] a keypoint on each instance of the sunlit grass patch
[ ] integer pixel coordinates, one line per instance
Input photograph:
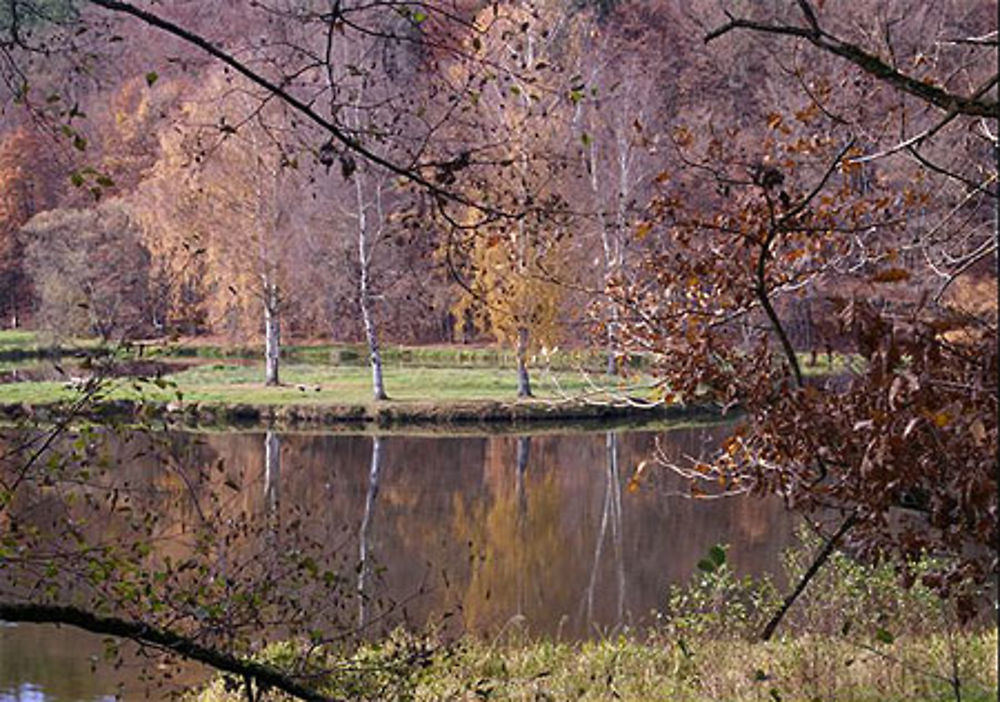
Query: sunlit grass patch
(18, 338)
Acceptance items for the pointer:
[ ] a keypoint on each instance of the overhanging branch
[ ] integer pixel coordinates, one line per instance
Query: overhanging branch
(264, 675)
(869, 63)
(286, 97)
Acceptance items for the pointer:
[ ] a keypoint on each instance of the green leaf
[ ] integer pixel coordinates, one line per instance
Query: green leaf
(775, 695)
(884, 636)
(76, 178)
(717, 554)
(419, 16)
(151, 78)
(79, 143)
(706, 565)
(586, 139)
(759, 675)
(105, 182)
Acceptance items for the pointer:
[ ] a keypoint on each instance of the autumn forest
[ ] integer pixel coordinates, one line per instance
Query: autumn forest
(726, 197)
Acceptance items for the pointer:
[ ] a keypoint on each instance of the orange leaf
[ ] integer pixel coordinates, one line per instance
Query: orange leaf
(633, 483)
(891, 275)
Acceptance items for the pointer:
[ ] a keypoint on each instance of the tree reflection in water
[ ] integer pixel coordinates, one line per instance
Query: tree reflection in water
(611, 517)
(493, 528)
(365, 535)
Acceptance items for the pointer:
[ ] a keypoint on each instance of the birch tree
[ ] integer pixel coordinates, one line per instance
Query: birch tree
(512, 267)
(228, 177)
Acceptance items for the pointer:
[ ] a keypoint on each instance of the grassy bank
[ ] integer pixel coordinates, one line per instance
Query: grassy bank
(322, 385)
(325, 386)
(325, 395)
(856, 634)
(804, 668)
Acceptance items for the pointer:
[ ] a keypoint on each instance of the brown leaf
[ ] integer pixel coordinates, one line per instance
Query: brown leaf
(978, 431)
(891, 275)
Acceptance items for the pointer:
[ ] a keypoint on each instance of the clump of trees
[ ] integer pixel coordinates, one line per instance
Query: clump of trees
(90, 271)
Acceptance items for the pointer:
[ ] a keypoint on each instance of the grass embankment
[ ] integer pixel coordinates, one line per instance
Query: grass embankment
(330, 385)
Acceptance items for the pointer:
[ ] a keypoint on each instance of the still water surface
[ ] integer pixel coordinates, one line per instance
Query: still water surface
(540, 532)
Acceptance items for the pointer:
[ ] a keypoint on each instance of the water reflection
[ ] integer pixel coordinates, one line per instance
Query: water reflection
(482, 532)
(611, 520)
(64, 665)
(365, 534)
(272, 470)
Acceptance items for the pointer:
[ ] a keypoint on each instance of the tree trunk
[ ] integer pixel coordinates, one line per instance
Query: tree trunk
(371, 336)
(364, 295)
(272, 335)
(523, 381)
(612, 365)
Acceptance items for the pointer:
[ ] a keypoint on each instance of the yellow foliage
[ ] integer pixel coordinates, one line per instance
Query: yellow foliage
(514, 288)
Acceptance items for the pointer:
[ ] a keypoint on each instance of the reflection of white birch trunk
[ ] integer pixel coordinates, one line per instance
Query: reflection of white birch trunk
(365, 534)
(611, 514)
(615, 485)
(272, 471)
(521, 495)
(523, 453)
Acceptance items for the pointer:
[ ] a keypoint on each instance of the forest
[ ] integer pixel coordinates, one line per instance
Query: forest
(735, 193)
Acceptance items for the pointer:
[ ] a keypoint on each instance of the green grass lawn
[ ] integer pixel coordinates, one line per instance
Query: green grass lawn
(334, 385)
(327, 375)
(18, 338)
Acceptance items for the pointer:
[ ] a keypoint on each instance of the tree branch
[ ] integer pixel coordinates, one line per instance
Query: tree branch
(263, 674)
(821, 558)
(923, 136)
(869, 63)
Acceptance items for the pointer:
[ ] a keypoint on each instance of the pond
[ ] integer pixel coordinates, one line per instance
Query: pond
(476, 533)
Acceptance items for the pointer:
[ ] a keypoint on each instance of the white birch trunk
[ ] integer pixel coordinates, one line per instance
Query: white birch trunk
(364, 294)
(272, 334)
(523, 380)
